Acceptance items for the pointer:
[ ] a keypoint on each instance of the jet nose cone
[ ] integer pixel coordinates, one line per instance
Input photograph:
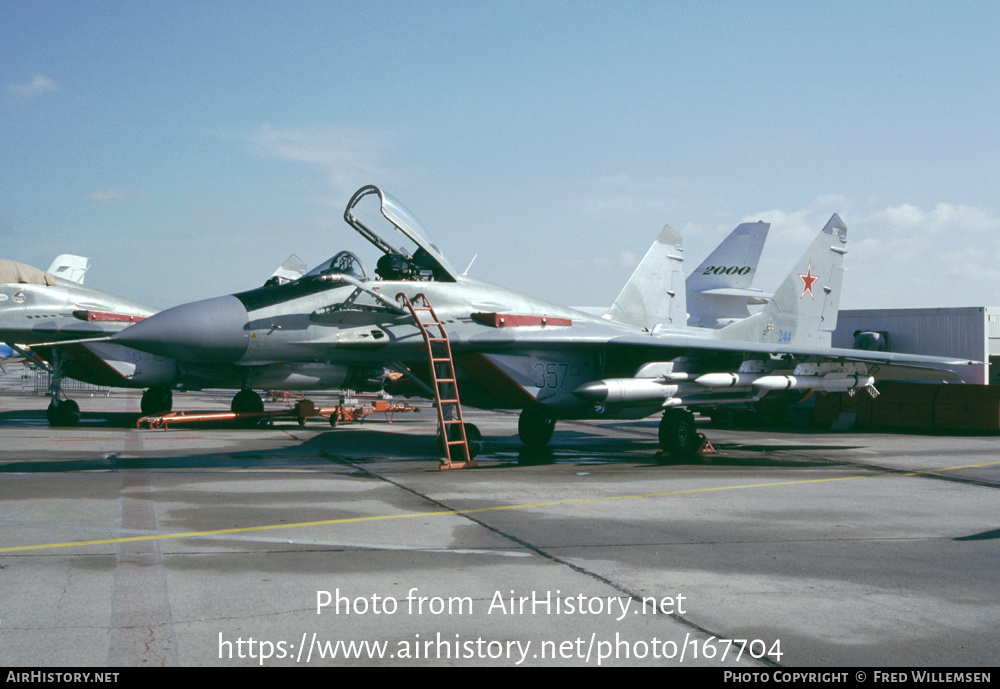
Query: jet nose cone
(209, 330)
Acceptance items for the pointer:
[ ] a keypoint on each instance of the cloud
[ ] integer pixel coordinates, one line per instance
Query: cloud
(622, 194)
(39, 84)
(117, 195)
(344, 154)
(901, 256)
(944, 217)
(625, 259)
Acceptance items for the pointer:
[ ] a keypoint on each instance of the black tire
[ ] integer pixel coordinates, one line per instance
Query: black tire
(156, 401)
(247, 402)
(474, 438)
(678, 435)
(65, 413)
(534, 428)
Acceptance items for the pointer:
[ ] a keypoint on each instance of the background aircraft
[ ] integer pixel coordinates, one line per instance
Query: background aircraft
(515, 351)
(719, 290)
(39, 306)
(53, 314)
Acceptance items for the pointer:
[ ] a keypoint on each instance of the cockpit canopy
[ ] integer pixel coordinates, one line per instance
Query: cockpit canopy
(396, 237)
(407, 253)
(345, 263)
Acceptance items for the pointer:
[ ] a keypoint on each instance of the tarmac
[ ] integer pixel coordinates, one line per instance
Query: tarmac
(284, 545)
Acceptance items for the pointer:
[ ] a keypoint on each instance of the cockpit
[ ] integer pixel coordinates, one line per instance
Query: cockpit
(344, 263)
(406, 255)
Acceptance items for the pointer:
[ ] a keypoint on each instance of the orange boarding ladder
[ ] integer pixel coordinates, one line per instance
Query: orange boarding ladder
(444, 381)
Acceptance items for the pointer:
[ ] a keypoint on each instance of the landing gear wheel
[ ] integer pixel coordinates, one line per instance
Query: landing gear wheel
(156, 401)
(474, 438)
(677, 433)
(65, 413)
(534, 428)
(247, 402)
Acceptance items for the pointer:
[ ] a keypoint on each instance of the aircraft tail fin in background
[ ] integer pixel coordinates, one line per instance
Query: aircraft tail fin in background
(70, 267)
(292, 269)
(655, 294)
(718, 290)
(803, 310)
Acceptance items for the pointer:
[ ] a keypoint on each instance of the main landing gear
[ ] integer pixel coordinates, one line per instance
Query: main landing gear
(534, 428)
(678, 435)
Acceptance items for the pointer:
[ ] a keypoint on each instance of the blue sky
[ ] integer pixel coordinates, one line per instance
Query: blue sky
(188, 148)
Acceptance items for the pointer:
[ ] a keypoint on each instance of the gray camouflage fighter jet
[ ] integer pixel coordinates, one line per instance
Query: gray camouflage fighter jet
(515, 351)
(61, 319)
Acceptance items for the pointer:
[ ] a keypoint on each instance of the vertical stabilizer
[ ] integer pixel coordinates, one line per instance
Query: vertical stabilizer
(70, 267)
(718, 290)
(803, 310)
(655, 294)
(292, 269)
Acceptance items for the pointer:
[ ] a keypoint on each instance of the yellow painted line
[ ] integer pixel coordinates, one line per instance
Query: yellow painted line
(478, 510)
(144, 437)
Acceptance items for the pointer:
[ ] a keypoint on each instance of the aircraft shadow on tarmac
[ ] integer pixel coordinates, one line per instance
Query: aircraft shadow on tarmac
(357, 445)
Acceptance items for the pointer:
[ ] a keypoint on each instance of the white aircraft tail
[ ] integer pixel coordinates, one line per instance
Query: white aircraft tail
(718, 291)
(70, 267)
(292, 269)
(803, 310)
(655, 294)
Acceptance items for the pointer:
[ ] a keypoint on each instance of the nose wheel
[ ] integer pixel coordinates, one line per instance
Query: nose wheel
(63, 413)
(156, 401)
(247, 402)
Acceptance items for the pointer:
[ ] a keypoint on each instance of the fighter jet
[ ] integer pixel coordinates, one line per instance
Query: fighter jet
(510, 350)
(39, 306)
(67, 324)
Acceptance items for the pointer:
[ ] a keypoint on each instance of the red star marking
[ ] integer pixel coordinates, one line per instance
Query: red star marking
(807, 282)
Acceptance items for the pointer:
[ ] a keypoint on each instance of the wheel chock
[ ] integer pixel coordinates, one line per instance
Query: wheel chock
(706, 447)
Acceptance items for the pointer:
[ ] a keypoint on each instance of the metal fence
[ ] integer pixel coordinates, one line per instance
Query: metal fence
(19, 379)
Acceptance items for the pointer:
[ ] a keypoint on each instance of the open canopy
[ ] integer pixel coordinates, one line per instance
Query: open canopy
(409, 253)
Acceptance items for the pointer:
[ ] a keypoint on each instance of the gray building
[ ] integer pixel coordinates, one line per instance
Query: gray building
(969, 332)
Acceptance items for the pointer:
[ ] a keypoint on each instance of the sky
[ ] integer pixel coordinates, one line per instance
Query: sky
(187, 148)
